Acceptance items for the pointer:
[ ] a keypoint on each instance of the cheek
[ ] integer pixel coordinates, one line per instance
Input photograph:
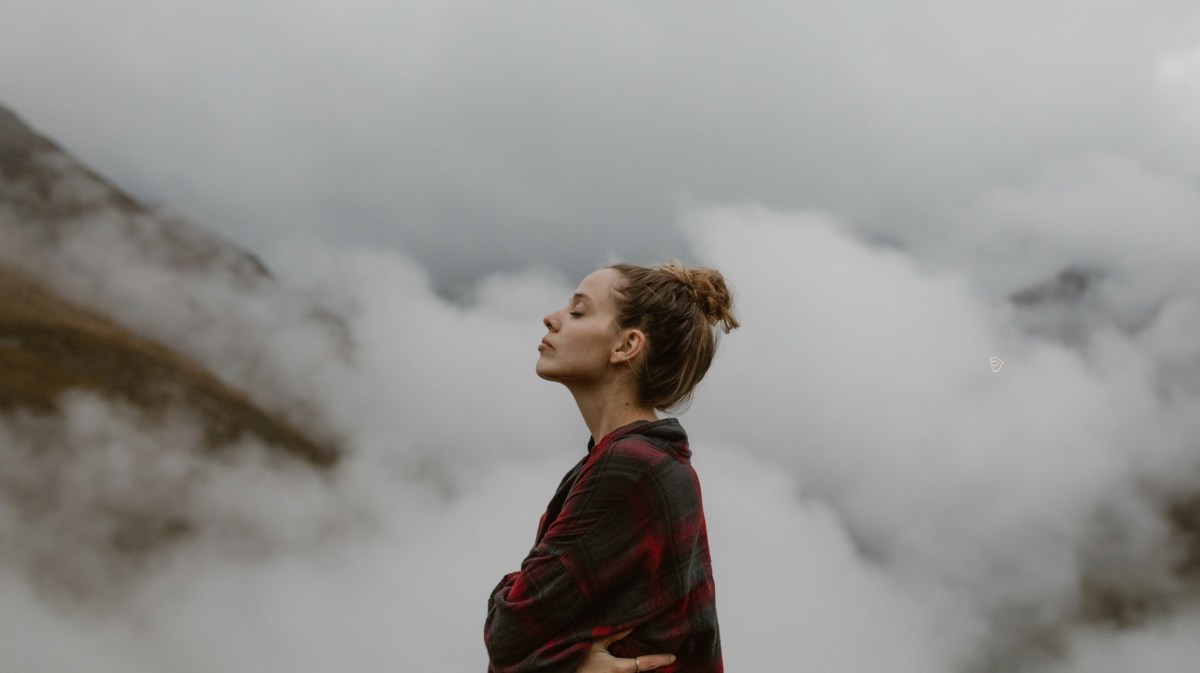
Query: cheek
(595, 342)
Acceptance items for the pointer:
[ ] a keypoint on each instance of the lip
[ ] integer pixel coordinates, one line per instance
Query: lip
(544, 345)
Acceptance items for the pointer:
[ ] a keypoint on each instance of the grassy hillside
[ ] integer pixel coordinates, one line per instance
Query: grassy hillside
(48, 346)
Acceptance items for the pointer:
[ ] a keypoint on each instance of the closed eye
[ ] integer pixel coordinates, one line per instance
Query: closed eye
(574, 314)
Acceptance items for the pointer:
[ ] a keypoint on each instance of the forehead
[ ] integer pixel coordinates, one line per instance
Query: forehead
(598, 286)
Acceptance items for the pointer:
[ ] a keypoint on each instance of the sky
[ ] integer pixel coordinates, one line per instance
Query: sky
(481, 136)
(876, 183)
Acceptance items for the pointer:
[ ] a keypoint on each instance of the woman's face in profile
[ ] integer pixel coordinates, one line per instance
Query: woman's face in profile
(581, 335)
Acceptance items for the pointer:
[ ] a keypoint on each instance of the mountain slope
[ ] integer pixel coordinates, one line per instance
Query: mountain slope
(48, 346)
(142, 358)
(93, 284)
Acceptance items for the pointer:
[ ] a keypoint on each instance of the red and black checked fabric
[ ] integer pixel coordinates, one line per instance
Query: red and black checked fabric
(622, 545)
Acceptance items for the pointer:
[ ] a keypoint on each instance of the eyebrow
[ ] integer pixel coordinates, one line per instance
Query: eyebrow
(579, 296)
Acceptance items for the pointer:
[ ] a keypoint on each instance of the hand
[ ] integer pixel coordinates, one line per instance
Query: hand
(599, 660)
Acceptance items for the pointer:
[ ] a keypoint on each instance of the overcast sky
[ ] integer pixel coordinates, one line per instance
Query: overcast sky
(482, 136)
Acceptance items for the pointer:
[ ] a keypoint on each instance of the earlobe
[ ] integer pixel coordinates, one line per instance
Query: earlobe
(631, 345)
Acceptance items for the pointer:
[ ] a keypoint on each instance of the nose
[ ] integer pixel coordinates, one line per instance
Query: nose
(548, 321)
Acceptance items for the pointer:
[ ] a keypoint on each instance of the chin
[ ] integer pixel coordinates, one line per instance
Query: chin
(543, 372)
(548, 372)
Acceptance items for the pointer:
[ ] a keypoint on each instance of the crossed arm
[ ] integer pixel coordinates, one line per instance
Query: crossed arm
(605, 566)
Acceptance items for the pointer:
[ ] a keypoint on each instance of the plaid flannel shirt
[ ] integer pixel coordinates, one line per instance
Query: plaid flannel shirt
(622, 545)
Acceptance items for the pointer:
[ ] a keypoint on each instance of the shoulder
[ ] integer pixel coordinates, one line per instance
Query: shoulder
(634, 452)
(625, 460)
(651, 441)
(643, 463)
(638, 448)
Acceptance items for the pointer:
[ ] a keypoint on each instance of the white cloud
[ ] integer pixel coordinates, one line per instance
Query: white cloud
(869, 478)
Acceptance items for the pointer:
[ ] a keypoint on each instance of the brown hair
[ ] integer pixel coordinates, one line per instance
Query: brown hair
(679, 310)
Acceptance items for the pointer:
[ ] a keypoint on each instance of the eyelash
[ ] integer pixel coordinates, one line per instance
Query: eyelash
(574, 314)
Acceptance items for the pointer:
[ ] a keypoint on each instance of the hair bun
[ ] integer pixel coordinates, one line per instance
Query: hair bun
(708, 289)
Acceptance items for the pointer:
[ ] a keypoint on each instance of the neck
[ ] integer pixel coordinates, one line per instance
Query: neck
(607, 408)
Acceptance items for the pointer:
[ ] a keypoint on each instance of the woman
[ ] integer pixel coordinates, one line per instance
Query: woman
(619, 579)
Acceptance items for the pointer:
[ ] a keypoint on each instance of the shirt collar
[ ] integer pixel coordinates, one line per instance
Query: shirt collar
(594, 446)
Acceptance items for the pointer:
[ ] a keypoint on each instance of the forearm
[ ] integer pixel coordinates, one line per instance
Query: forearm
(513, 647)
(529, 609)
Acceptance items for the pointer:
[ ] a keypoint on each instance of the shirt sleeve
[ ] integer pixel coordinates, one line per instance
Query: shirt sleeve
(610, 561)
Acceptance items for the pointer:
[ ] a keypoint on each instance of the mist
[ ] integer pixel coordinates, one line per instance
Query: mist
(868, 478)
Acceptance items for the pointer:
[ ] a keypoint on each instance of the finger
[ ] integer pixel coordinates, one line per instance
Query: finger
(603, 643)
(649, 662)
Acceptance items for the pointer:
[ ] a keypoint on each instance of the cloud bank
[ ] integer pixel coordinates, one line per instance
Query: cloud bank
(877, 495)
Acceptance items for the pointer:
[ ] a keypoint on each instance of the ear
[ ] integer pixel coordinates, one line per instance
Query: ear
(632, 342)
